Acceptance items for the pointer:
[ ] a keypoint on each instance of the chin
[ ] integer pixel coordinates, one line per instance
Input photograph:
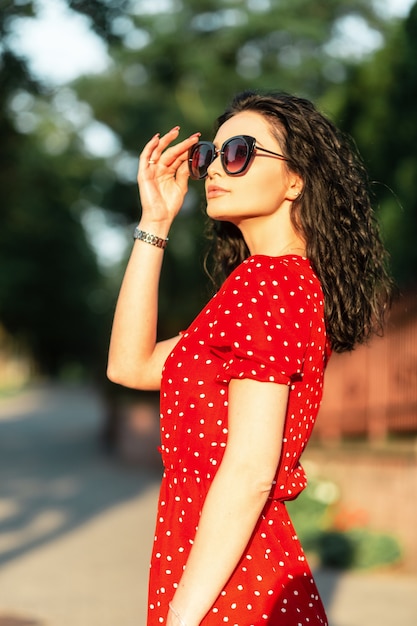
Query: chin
(220, 215)
(221, 218)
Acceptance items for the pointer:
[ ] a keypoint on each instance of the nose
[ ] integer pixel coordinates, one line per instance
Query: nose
(212, 169)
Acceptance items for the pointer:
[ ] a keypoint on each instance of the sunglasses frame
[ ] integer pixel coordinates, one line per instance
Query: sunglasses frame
(249, 141)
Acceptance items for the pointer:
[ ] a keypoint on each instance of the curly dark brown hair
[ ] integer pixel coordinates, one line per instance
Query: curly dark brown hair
(333, 212)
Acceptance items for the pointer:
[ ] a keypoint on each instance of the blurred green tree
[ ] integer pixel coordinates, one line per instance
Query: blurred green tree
(51, 289)
(378, 108)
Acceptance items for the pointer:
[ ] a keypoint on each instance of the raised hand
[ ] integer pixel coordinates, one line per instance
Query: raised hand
(163, 177)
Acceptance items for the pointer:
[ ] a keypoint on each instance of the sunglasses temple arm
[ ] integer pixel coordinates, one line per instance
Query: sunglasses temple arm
(274, 153)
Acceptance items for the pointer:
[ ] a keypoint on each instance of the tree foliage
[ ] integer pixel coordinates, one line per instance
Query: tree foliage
(49, 274)
(378, 109)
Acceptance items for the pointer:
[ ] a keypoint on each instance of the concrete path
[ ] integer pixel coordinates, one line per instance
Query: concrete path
(76, 527)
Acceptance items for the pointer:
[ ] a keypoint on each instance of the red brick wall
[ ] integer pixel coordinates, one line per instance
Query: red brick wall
(372, 391)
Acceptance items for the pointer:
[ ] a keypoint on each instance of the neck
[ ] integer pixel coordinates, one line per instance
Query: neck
(272, 237)
(292, 249)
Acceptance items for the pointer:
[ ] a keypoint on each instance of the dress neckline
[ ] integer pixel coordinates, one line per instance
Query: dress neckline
(281, 256)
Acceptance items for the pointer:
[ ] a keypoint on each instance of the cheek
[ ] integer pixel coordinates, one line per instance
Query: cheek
(257, 193)
(264, 194)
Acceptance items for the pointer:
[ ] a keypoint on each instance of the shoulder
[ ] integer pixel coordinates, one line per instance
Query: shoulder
(283, 289)
(271, 275)
(266, 313)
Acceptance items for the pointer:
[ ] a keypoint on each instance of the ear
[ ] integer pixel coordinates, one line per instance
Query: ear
(295, 186)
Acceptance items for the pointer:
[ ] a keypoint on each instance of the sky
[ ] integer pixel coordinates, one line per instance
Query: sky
(60, 44)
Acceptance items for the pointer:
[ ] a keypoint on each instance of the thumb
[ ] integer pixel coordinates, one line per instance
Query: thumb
(182, 176)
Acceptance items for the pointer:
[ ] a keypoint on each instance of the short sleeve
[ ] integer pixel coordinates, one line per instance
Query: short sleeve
(262, 325)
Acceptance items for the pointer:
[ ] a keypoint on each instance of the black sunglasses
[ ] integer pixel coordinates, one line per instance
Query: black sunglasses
(235, 155)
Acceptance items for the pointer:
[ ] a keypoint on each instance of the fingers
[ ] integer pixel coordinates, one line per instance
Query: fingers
(165, 141)
(174, 155)
(158, 152)
(178, 154)
(147, 153)
(155, 147)
(182, 174)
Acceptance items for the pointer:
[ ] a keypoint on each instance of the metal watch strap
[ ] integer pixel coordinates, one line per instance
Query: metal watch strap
(149, 238)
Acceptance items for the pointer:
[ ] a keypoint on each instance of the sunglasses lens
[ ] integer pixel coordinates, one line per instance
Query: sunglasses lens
(235, 155)
(201, 155)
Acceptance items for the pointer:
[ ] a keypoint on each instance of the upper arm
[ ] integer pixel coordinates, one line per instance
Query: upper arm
(256, 416)
(145, 376)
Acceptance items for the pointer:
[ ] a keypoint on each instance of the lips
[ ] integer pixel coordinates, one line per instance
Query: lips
(213, 191)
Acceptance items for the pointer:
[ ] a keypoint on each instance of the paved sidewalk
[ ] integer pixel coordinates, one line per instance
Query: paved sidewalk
(76, 527)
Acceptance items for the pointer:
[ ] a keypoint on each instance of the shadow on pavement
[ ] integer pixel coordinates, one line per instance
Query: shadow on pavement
(326, 581)
(54, 474)
(9, 620)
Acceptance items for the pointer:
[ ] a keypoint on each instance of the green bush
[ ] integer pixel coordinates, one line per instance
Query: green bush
(335, 549)
(313, 514)
(372, 549)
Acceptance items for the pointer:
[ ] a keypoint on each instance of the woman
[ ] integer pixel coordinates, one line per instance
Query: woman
(304, 269)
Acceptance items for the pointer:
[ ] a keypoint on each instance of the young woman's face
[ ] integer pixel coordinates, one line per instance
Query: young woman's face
(262, 188)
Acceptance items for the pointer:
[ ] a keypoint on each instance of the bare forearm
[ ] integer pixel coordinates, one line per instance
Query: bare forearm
(133, 338)
(231, 511)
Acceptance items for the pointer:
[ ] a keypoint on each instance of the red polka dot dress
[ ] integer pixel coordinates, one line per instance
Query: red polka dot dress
(266, 323)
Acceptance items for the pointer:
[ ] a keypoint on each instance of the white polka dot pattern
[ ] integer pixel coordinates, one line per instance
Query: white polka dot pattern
(266, 323)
